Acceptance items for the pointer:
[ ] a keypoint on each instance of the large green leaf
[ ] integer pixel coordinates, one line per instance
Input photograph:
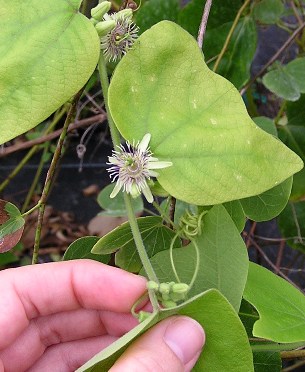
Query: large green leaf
(281, 306)
(293, 135)
(269, 204)
(226, 349)
(235, 210)
(269, 11)
(48, 52)
(154, 11)
(236, 63)
(223, 259)
(291, 224)
(197, 120)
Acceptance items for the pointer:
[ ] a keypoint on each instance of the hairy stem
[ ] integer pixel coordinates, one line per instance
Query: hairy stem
(50, 175)
(226, 44)
(203, 24)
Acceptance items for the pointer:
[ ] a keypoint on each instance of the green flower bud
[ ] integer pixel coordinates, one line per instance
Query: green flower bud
(152, 285)
(104, 27)
(100, 10)
(164, 288)
(177, 296)
(181, 288)
(93, 21)
(125, 13)
(165, 297)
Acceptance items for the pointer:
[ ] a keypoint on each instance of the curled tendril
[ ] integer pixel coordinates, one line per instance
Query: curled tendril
(191, 224)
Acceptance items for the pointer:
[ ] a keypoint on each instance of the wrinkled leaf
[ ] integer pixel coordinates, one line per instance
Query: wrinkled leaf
(49, 51)
(223, 258)
(269, 11)
(269, 204)
(281, 306)
(115, 207)
(81, 248)
(11, 226)
(226, 349)
(197, 120)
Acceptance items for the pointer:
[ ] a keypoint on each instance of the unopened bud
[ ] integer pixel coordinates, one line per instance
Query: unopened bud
(180, 288)
(177, 296)
(125, 13)
(152, 285)
(100, 10)
(104, 27)
(168, 304)
(164, 288)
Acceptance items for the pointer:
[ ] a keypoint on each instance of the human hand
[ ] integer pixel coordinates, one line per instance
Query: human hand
(54, 317)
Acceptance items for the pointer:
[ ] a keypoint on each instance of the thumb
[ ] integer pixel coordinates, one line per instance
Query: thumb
(172, 345)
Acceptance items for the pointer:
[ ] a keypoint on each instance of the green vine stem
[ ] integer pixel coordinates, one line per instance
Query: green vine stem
(50, 175)
(226, 44)
(131, 216)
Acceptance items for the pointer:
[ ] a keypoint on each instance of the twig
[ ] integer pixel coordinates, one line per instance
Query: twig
(50, 175)
(279, 256)
(295, 11)
(273, 59)
(225, 46)
(172, 208)
(55, 134)
(203, 24)
(251, 233)
(292, 354)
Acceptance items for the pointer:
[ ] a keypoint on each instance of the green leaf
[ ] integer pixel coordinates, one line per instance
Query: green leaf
(236, 63)
(281, 306)
(269, 11)
(287, 81)
(155, 240)
(291, 225)
(115, 207)
(236, 212)
(11, 225)
(226, 349)
(122, 235)
(266, 124)
(49, 51)
(221, 12)
(223, 259)
(293, 135)
(197, 120)
(266, 361)
(154, 11)
(269, 204)
(81, 248)
(281, 83)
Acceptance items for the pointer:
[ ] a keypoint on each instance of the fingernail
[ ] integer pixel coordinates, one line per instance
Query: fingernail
(185, 337)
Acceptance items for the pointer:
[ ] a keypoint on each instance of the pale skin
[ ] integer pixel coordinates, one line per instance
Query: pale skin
(54, 317)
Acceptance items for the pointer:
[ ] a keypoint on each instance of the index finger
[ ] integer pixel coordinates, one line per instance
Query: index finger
(32, 291)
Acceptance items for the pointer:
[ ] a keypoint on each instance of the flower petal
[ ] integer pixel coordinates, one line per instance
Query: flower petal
(148, 195)
(153, 173)
(144, 143)
(116, 189)
(159, 164)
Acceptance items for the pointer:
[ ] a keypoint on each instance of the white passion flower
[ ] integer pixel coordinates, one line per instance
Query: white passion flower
(131, 167)
(121, 37)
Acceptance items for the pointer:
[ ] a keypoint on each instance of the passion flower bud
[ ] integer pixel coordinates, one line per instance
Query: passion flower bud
(152, 285)
(168, 304)
(180, 288)
(125, 13)
(100, 10)
(164, 288)
(104, 27)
